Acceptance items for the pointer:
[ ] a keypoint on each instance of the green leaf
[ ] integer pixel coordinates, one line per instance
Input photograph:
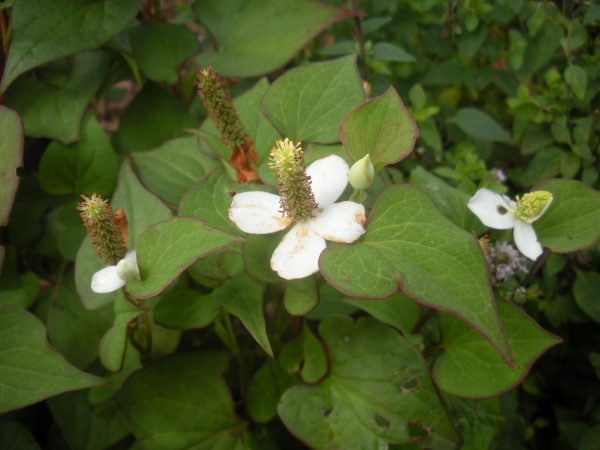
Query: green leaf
(257, 251)
(166, 249)
(189, 405)
(247, 46)
(267, 386)
(378, 390)
(576, 77)
(15, 436)
(469, 367)
(169, 170)
(25, 292)
(31, 370)
(301, 296)
(11, 157)
(409, 245)
(242, 296)
(186, 309)
(398, 311)
(85, 426)
(154, 117)
(542, 48)
(142, 210)
(72, 329)
(390, 52)
(160, 48)
(314, 367)
(87, 166)
(113, 344)
(209, 199)
(54, 108)
(308, 103)
(585, 291)
(45, 30)
(479, 125)
(571, 221)
(477, 421)
(382, 128)
(450, 201)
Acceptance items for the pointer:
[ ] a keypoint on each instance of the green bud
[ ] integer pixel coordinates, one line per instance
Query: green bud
(127, 270)
(361, 173)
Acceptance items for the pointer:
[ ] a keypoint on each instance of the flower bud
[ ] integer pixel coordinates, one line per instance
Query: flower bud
(127, 270)
(361, 173)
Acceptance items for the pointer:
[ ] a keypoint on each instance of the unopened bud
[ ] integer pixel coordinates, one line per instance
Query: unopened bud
(127, 270)
(361, 173)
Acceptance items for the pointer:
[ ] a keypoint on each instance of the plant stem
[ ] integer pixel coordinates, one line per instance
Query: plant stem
(360, 38)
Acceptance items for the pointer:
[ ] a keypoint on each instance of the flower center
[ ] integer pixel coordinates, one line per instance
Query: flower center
(532, 205)
(287, 161)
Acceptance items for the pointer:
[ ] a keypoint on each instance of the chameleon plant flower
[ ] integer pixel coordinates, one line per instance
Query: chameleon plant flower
(308, 201)
(112, 278)
(500, 212)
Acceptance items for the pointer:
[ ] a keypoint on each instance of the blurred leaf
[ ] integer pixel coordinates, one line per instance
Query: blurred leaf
(470, 368)
(55, 110)
(382, 128)
(308, 102)
(88, 166)
(576, 77)
(479, 125)
(160, 48)
(390, 52)
(585, 291)
(186, 309)
(267, 386)
(378, 390)
(45, 30)
(30, 369)
(411, 246)
(11, 157)
(257, 250)
(15, 436)
(301, 296)
(196, 409)
(246, 46)
(542, 48)
(168, 248)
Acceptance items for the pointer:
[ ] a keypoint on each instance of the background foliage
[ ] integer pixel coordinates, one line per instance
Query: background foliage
(98, 96)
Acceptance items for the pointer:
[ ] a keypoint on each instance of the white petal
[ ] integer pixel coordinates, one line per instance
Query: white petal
(340, 222)
(526, 240)
(297, 255)
(257, 213)
(492, 209)
(328, 179)
(106, 280)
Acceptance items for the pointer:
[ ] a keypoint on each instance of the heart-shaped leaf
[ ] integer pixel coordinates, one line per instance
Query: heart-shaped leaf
(410, 245)
(194, 404)
(572, 220)
(309, 102)
(248, 46)
(382, 128)
(378, 390)
(45, 30)
(31, 370)
(469, 366)
(168, 248)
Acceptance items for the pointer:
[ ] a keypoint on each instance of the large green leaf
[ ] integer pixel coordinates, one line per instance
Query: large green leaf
(411, 246)
(72, 329)
(263, 34)
(45, 30)
(160, 48)
(53, 108)
(185, 309)
(572, 220)
(169, 170)
(189, 405)
(378, 390)
(168, 248)
(469, 366)
(309, 102)
(153, 117)
(31, 370)
(142, 210)
(479, 125)
(11, 157)
(382, 128)
(84, 167)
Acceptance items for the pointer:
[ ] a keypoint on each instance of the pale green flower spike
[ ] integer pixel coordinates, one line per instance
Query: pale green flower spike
(502, 213)
(361, 173)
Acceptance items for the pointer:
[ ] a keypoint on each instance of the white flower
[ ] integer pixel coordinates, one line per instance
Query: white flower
(297, 255)
(500, 212)
(112, 278)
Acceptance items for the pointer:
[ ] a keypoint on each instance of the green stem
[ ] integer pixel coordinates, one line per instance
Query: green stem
(227, 335)
(360, 38)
